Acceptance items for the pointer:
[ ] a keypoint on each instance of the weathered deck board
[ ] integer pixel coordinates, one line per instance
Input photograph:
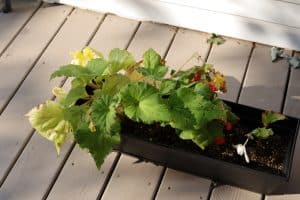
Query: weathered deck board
(292, 108)
(265, 81)
(194, 42)
(13, 22)
(80, 179)
(38, 163)
(231, 59)
(19, 58)
(132, 181)
(185, 44)
(127, 176)
(114, 32)
(227, 192)
(179, 185)
(292, 101)
(14, 127)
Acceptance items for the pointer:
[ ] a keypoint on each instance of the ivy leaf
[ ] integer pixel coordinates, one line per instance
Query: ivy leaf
(262, 133)
(76, 92)
(97, 66)
(48, 120)
(142, 103)
(181, 117)
(152, 65)
(294, 62)
(167, 86)
(73, 71)
(269, 117)
(119, 59)
(98, 144)
(216, 39)
(276, 53)
(104, 114)
(114, 83)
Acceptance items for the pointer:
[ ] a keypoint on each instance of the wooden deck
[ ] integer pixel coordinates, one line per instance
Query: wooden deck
(35, 39)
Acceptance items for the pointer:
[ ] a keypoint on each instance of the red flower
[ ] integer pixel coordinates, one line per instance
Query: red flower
(228, 126)
(196, 77)
(219, 140)
(212, 87)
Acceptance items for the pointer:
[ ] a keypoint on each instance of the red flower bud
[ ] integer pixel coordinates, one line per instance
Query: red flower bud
(212, 87)
(228, 126)
(219, 140)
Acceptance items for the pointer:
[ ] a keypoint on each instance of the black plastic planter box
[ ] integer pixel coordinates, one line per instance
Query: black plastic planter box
(217, 170)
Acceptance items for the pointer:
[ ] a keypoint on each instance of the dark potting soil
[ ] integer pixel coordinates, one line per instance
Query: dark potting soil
(265, 155)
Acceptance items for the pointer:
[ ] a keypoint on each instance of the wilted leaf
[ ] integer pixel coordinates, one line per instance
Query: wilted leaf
(48, 119)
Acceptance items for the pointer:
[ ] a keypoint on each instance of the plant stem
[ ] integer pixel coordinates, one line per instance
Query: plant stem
(195, 55)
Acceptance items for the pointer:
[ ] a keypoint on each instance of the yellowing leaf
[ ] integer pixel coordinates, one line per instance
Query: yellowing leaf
(48, 120)
(269, 117)
(219, 81)
(262, 133)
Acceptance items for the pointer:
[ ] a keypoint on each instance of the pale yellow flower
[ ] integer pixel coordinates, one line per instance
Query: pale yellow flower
(84, 56)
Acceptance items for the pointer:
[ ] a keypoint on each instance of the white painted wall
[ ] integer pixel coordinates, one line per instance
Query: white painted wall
(272, 22)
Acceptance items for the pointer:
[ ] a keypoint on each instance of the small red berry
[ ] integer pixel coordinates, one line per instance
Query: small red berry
(219, 140)
(228, 126)
(197, 77)
(212, 87)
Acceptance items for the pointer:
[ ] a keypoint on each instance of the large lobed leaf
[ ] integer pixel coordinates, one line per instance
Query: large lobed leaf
(48, 119)
(204, 136)
(142, 103)
(152, 65)
(104, 114)
(119, 59)
(98, 143)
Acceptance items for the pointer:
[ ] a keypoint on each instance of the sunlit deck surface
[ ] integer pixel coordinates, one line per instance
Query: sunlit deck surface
(36, 39)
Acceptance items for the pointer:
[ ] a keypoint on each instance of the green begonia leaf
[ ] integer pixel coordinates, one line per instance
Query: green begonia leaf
(97, 66)
(73, 71)
(48, 120)
(76, 92)
(181, 116)
(98, 144)
(167, 86)
(114, 83)
(104, 115)
(152, 65)
(205, 136)
(119, 59)
(142, 103)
